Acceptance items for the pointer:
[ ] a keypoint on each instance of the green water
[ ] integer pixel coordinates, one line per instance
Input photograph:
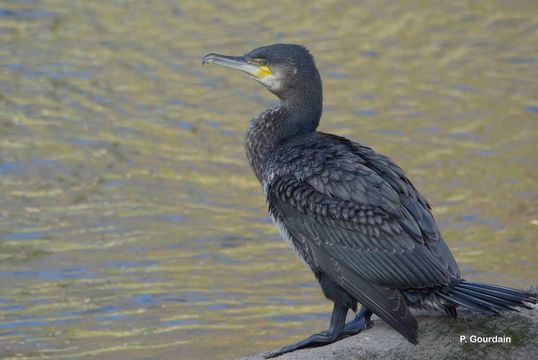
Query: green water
(130, 224)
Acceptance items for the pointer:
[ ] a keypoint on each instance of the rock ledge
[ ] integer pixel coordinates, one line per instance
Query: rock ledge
(439, 338)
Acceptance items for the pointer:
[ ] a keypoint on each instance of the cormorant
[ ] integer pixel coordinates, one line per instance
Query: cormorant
(349, 212)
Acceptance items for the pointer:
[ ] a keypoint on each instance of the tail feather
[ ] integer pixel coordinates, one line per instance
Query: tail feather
(506, 304)
(492, 306)
(488, 299)
(460, 300)
(518, 297)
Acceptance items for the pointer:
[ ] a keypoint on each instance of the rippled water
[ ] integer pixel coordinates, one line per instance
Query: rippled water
(130, 224)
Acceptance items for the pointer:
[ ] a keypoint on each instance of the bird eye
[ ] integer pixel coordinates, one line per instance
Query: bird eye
(262, 62)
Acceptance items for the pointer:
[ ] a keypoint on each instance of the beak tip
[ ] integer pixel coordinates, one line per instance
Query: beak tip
(233, 62)
(207, 59)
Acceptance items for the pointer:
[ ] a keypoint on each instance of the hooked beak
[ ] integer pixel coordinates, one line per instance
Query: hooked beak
(240, 63)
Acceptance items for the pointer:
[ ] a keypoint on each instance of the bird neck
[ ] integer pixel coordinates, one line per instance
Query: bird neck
(303, 108)
(296, 115)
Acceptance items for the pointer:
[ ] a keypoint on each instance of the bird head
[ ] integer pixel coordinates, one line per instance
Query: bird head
(284, 69)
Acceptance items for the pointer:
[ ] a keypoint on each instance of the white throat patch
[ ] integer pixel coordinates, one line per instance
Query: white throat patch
(270, 81)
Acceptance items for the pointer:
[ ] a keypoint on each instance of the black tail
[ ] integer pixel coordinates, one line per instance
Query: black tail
(488, 299)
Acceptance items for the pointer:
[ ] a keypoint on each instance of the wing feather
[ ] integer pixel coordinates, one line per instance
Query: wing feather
(361, 210)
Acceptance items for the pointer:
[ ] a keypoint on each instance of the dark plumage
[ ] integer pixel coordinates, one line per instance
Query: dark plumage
(350, 213)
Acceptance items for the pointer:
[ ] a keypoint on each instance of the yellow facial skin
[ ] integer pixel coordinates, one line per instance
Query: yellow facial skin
(263, 71)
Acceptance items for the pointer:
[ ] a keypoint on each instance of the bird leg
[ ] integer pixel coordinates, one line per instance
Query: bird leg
(336, 326)
(336, 331)
(361, 322)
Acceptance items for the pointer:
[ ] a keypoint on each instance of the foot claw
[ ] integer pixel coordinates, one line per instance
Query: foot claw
(272, 354)
(360, 323)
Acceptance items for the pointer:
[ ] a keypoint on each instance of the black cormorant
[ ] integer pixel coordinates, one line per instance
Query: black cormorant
(353, 216)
